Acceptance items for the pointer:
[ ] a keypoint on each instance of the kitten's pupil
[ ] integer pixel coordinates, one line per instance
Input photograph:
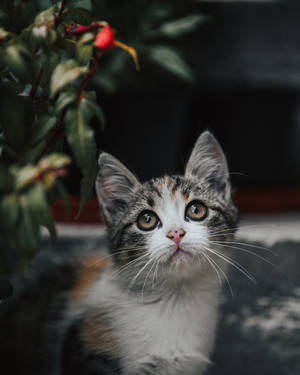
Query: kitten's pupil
(147, 218)
(195, 209)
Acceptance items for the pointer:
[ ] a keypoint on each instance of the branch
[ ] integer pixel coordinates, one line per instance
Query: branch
(88, 76)
(36, 84)
(58, 18)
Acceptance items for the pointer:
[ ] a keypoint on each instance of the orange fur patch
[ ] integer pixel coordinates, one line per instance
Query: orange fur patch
(98, 336)
(168, 181)
(185, 197)
(88, 273)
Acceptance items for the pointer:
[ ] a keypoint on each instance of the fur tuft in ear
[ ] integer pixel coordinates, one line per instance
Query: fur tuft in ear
(208, 162)
(114, 185)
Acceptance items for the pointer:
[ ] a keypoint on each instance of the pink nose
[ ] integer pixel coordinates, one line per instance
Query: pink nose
(176, 235)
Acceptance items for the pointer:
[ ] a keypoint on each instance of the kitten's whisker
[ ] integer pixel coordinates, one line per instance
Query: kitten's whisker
(245, 244)
(134, 262)
(139, 272)
(224, 230)
(207, 258)
(242, 227)
(247, 251)
(155, 272)
(145, 281)
(109, 256)
(235, 264)
(223, 273)
(126, 266)
(239, 174)
(229, 260)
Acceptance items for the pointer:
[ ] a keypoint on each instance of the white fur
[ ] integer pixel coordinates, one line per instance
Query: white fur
(175, 327)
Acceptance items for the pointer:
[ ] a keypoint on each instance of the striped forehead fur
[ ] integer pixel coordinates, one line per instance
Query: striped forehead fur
(153, 190)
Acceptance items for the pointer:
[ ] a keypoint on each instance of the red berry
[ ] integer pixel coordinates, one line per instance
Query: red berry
(105, 39)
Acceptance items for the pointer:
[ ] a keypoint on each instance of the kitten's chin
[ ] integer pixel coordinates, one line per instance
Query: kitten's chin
(180, 255)
(182, 261)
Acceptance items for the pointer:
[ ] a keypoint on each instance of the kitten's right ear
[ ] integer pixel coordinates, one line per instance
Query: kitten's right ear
(114, 186)
(208, 162)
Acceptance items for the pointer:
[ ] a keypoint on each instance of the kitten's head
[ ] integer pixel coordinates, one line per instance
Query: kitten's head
(166, 226)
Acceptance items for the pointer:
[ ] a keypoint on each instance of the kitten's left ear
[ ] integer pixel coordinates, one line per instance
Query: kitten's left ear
(114, 187)
(208, 162)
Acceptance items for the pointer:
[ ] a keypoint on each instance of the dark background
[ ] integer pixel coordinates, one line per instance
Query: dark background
(246, 64)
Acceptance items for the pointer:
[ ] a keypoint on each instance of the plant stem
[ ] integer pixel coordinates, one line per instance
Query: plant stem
(58, 18)
(36, 84)
(88, 76)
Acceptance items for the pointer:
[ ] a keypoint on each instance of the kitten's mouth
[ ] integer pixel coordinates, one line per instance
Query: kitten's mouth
(180, 253)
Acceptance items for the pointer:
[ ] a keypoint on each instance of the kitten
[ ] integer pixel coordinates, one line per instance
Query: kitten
(151, 306)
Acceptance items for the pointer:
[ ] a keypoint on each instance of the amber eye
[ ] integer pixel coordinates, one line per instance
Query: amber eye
(196, 211)
(147, 220)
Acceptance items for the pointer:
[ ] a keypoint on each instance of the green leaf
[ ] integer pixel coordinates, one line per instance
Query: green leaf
(63, 195)
(80, 136)
(87, 183)
(26, 37)
(46, 16)
(18, 60)
(24, 176)
(41, 210)
(65, 73)
(9, 209)
(92, 108)
(44, 36)
(84, 53)
(28, 229)
(171, 60)
(84, 48)
(48, 222)
(85, 4)
(42, 128)
(6, 179)
(4, 34)
(81, 139)
(32, 153)
(17, 122)
(39, 33)
(65, 99)
(181, 26)
(54, 160)
(37, 213)
(49, 60)
(80, 15)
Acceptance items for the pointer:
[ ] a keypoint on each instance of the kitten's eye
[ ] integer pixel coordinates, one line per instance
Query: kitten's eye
(147, 220)
(196, 211)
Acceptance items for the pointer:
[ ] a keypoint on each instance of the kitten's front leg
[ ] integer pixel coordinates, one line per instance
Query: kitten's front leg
(176, 366)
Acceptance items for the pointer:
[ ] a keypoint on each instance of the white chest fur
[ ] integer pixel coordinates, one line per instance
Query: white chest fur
(179, 326)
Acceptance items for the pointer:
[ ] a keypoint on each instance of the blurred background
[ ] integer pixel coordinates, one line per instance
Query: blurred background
(229, 66)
